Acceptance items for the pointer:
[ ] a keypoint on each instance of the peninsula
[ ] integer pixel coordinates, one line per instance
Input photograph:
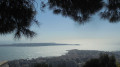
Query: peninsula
(35, 44)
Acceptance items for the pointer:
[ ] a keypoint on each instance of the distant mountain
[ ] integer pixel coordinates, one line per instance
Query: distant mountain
(35, 44)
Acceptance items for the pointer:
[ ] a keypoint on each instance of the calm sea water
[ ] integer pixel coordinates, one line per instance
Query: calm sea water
(11, 53)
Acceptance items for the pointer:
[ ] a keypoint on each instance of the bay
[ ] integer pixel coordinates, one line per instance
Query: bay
(12, 53)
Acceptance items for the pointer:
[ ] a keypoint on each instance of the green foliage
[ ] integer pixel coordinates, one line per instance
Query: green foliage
(103, 61)
(118, 65)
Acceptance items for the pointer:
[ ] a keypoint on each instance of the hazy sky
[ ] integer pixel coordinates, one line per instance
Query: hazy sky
(58, 29)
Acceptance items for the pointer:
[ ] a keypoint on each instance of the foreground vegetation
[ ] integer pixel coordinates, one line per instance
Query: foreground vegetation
(103, 61)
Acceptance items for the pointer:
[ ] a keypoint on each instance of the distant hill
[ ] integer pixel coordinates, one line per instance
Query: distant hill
(35, 44)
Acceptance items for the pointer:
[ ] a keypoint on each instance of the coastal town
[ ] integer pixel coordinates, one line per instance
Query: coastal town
(74, 58)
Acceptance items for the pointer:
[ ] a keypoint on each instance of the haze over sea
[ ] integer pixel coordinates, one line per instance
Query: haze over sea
(12, 53)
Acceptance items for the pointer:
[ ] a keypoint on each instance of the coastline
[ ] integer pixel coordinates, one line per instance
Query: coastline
(73, 57)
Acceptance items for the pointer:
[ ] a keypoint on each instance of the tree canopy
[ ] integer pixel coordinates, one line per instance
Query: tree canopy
(78, 10)
(16, 16)
(82, 10)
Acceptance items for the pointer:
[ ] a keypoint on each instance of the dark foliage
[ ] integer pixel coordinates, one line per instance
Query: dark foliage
(92, 63)
(42, 65)
(103, 61)
(17, 16)
(82, 10)
(112, 12)
(79, 10)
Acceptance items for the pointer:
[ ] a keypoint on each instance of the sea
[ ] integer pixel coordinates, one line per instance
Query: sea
(14, 53)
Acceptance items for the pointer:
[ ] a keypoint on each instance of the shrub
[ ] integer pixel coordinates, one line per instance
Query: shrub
(103, 61)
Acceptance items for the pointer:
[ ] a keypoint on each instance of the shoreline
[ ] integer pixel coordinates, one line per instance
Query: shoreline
(68, 52)
(4, 64)
(73, 56)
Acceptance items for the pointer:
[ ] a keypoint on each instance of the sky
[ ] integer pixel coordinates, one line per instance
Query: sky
(58, 29)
